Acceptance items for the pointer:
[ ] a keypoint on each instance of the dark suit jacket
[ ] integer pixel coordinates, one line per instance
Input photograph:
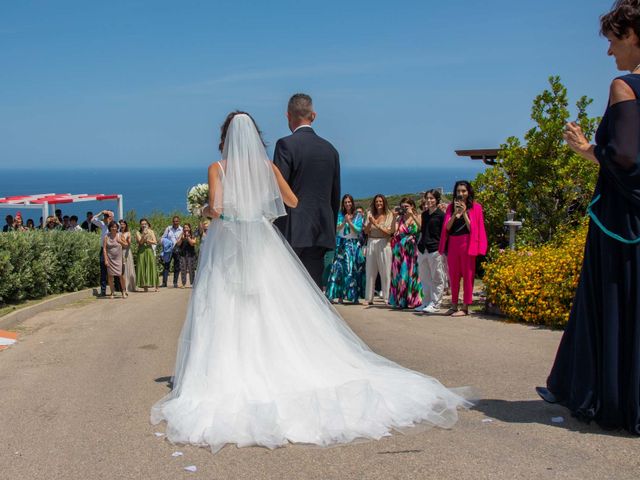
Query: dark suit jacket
(311, 166)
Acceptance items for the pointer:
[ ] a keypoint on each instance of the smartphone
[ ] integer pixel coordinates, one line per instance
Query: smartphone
(458, 198)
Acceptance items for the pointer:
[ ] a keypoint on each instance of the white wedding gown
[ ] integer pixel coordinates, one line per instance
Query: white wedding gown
(264, 358)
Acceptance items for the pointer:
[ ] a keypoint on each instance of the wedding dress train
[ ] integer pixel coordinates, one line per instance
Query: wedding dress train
(265, 359)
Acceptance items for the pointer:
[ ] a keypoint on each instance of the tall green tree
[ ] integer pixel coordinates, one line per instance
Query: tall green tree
(542, 180)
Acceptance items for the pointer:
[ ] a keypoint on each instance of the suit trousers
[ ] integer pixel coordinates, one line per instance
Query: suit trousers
(378, 259)
(462, 266)
(433, 277)
(313, 260)
(103, 274)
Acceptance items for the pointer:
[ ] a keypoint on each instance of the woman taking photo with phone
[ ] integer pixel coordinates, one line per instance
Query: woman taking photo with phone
(405, 291)
(186, 245)
(463, 239)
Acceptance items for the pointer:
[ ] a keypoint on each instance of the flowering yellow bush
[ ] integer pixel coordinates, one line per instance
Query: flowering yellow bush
(537, 284)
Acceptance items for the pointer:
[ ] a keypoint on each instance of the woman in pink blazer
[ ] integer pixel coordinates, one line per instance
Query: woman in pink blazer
(463, 239)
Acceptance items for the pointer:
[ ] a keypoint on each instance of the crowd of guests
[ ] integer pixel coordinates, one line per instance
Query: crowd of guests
(119, 269)
(409, 255)
(53, 222)
(176, 246)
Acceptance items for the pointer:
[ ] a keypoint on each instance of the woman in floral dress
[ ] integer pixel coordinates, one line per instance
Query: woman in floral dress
(345, 277)
(405, 289)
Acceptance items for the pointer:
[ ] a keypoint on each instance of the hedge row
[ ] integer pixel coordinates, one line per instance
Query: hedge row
(38, 263)
(537, 284)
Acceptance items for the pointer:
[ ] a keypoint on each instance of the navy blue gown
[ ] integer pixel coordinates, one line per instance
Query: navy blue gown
(596, 373)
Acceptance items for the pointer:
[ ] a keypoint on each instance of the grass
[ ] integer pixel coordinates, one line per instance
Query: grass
(7, 309)
(18, 306)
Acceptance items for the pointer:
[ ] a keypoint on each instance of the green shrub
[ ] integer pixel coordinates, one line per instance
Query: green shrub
(39, 263)
(542, 179)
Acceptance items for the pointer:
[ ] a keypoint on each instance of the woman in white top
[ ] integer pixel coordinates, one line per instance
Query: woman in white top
(379, 228)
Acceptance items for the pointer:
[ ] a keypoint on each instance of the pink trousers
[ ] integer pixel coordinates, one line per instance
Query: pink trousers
(461, 266)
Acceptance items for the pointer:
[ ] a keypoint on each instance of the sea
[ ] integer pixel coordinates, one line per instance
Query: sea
(154, 189)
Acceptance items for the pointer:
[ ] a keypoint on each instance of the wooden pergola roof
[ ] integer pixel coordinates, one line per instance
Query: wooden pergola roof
(487, 155)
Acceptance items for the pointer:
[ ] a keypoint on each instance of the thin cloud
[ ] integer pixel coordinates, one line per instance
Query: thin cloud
(244, 76)
(253, 75)
(318, 71)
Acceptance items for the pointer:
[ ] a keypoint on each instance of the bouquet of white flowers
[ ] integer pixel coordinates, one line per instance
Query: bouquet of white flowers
(197, 198)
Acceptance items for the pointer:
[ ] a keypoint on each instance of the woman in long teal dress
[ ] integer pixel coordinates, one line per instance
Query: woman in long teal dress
(405, 291)
(346, 270)
(147, 267)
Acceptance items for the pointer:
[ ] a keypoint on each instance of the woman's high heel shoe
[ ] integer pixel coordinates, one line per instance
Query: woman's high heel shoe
(546, 395)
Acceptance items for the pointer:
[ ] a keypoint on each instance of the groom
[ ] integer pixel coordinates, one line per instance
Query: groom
(311, 166)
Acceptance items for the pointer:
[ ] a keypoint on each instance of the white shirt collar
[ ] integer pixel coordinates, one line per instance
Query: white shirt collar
(301, 126)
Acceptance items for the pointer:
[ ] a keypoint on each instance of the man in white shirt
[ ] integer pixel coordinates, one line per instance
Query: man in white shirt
(173, 233)
(103, 225)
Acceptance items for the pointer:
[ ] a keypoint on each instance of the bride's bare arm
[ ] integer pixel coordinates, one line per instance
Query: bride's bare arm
(288, 197)
(213, 176)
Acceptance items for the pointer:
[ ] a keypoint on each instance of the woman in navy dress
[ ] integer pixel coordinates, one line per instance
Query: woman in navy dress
(596, 373)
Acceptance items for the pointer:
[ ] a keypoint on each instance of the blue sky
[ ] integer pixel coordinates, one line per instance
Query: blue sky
(147, 83)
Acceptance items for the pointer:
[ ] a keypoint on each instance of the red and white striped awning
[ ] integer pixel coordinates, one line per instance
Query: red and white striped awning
(56, 198)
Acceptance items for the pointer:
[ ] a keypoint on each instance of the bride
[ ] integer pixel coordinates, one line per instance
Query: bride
(263, 357)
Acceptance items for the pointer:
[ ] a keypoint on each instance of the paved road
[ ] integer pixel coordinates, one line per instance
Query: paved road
(75, 394)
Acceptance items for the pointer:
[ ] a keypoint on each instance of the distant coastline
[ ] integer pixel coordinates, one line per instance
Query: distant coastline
(164, 189)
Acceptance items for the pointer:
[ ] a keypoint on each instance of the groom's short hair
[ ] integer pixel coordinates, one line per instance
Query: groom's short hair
(300, 106)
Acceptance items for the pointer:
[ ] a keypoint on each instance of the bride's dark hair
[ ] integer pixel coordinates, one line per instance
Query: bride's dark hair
(227, 122)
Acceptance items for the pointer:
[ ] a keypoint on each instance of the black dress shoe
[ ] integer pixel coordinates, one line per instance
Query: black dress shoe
(546, 395)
